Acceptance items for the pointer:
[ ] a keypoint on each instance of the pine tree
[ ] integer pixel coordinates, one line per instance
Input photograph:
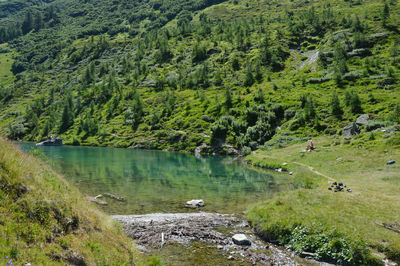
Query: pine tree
(235, 64)
(260, 97)
(27, 24)
(249, 79)
(336, 109)
(257, 70)
(352, 100)
(339, 57)
(67, 119)
(385, 14)
(309, 109)
(228, 98)
(217, 78)
(38, 21)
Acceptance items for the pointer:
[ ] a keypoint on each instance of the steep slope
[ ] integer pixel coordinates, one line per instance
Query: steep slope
(169, 75)
(44, 221)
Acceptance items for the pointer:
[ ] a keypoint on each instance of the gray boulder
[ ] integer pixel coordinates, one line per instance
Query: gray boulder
(351, 130)
(241, 239)
(363, 119)
(195, 203)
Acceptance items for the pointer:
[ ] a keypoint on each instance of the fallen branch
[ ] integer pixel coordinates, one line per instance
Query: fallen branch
(389, 226)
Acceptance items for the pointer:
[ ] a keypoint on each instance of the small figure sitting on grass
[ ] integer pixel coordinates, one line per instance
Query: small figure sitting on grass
(310, 146)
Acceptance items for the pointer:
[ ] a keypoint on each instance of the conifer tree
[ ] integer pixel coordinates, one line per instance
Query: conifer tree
(228, 98)
(385, 14)
(27, 25)
(249, 79)
(336, 109)
(309, 109)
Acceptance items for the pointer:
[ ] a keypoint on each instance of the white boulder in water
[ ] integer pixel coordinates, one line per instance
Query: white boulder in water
(195, 203)
(241, 239)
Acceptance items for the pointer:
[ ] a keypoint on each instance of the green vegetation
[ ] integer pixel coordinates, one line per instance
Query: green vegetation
(235, 75)
(339, 227)
(46, 221)
(172, 75)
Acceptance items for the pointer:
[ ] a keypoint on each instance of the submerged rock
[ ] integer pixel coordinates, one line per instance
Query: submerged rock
(195, 203)
(241, 239)
(112, 196)
(97, 200)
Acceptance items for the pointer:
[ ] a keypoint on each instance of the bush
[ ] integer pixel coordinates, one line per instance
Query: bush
(330, 246)
(372, 125)
(353, 75)
(289, 114)
(16, 129)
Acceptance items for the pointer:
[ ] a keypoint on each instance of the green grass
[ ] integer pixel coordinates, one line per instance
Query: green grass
(362, 168)
(43, 219)
(6, 61)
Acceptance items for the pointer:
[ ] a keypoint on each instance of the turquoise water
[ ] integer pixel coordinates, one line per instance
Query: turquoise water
(156, 181)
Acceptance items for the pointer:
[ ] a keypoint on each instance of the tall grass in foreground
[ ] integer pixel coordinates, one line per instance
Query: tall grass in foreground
(45, 221)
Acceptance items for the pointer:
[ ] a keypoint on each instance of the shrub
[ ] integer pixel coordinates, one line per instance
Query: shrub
(16, 129)
(353, 75)
(372, 125)
(395, 116)
(331, 246)
(289, 114)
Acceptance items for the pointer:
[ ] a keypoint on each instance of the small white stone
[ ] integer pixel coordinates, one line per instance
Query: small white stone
(195, 203)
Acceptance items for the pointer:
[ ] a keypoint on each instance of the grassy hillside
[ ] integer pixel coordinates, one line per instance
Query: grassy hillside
(44, 221)
(337, 226)
(169, 75)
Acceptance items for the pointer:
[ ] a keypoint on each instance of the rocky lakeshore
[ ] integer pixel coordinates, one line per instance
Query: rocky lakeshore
(232, 237)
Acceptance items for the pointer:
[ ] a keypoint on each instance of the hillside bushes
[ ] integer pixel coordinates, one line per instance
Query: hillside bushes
(252, 127)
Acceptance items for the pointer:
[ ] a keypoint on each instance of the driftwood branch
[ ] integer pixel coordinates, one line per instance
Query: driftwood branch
(389, 226)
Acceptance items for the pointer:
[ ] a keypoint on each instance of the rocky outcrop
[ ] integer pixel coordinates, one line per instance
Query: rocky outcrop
(363, 119)
(351, 130)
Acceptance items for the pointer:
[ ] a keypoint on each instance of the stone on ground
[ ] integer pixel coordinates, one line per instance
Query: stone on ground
(363, 119)
(195, 203)
(241, 239)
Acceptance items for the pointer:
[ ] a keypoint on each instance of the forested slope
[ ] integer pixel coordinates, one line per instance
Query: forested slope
(174, 75)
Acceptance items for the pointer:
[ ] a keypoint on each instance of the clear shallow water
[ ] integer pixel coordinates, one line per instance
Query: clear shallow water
(156, 181)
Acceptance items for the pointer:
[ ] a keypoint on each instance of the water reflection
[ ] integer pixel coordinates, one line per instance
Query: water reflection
(155, 181)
